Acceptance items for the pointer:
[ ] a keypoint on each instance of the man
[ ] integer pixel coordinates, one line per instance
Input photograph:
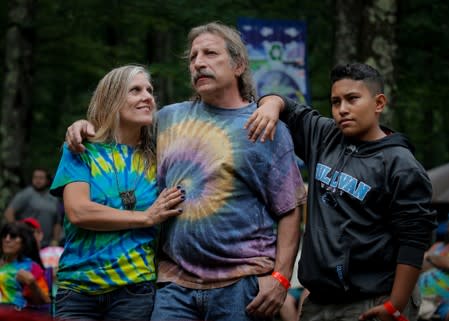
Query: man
(369, 218)
(35, 201)
(223, 258)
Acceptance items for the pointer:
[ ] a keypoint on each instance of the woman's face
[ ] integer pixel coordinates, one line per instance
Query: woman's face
(11, 244)
(139, 105)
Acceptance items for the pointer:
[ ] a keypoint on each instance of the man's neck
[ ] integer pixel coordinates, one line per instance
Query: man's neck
(225, 101)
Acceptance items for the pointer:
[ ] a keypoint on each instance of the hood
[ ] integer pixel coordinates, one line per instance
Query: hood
(392, 139)
(356, 147)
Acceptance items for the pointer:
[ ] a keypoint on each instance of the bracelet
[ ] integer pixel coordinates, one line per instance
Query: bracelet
(282, 279)
(393, 311)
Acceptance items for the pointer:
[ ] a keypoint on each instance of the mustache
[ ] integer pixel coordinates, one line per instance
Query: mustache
(202, 73)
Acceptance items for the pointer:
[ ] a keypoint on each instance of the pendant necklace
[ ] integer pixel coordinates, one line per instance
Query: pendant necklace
(128, 197)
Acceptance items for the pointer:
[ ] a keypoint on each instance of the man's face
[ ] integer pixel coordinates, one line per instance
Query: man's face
(211, 69)
(356, 110)
(39, 180)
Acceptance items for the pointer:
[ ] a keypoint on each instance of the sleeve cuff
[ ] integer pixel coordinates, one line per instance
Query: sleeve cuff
(410, 256)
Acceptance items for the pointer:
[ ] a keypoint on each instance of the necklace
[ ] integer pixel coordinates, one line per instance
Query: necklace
(128, 197)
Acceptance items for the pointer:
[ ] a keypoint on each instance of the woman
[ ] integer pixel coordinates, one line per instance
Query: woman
(107, 270)
(22, 280)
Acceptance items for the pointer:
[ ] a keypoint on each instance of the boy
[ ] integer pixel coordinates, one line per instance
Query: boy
(369, 216)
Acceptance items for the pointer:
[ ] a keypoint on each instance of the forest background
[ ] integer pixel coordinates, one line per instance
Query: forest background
(53, 53)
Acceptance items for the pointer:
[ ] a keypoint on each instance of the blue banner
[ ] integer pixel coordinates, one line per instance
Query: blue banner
(277, 53)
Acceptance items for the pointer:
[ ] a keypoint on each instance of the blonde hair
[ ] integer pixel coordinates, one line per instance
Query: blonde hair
(105, 104)
(236, 49)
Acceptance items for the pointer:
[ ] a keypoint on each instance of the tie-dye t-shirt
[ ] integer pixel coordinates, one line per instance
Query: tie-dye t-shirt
(236, 190)
(96, 262)
(11, 290)
(435, 282)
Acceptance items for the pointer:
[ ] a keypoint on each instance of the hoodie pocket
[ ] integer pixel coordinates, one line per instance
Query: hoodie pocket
(324, 264)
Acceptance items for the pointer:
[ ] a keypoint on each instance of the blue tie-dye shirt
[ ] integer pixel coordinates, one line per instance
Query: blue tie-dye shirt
(97, 262)
(236, 190)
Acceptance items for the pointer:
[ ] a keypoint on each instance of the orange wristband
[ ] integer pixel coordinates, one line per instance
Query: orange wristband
(393, 311)
(282, 279)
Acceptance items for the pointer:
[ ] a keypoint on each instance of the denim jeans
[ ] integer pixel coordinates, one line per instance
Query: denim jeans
(175, 303)
(133, 302)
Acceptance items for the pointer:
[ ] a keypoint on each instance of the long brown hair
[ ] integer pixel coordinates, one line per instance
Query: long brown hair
(29, 246)
(108, 98)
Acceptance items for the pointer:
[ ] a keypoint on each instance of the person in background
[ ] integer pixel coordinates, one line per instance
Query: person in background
(22, 281)
(434, 280)
(36, 228)
(35, 201)
(107, 270)
(49, 257)
(369, 216)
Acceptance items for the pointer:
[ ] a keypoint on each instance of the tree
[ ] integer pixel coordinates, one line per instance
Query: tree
(368, 37)
(65, 47)
(17, 85)
(422, 66)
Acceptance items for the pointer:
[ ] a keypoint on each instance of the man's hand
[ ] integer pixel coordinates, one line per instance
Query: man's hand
(263, 121)
(270, 298)
(76, 133)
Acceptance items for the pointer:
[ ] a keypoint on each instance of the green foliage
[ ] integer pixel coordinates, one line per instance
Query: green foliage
(79, 41)
(422, 70)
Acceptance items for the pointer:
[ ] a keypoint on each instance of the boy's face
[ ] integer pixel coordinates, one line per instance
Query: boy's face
(356, 109)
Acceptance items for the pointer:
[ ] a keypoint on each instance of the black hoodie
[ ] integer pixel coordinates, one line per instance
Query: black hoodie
(368, 208)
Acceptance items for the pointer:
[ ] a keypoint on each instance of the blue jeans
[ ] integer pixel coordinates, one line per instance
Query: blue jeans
(132, 302)
(175, 303)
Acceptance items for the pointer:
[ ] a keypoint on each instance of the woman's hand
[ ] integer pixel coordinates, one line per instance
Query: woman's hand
(25, 277)
(35, 294)
(166, 205)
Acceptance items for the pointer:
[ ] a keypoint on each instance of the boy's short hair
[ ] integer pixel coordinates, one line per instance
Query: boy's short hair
(359, 71)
